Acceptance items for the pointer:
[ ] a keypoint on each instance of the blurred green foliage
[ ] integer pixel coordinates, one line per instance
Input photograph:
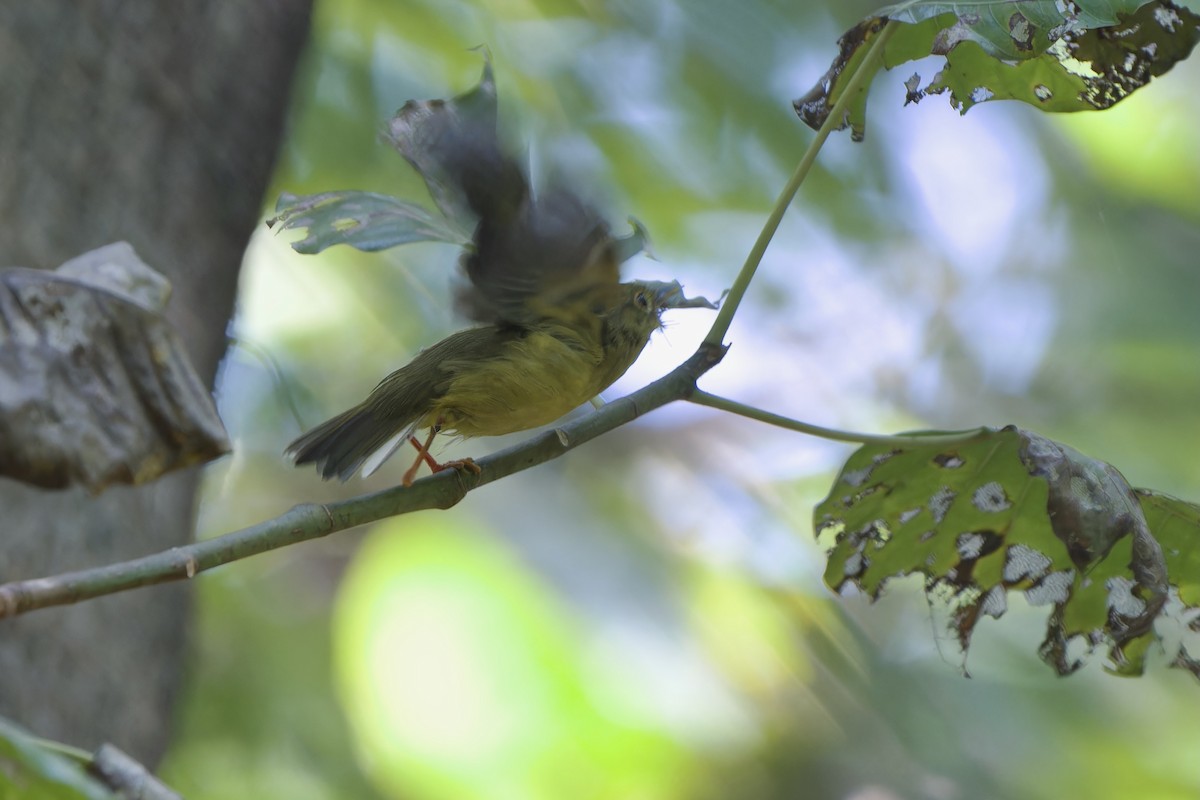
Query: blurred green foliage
(645, 617)
(29, 770)
(464, 677)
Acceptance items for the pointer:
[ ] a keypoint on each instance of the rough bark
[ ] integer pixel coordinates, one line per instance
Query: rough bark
(156, 123)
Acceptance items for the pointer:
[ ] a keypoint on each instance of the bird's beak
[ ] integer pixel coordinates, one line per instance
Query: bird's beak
(670, 295)
(666, 295)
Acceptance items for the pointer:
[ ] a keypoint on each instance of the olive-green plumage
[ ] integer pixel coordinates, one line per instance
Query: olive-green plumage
(558, 326)
(488, 381)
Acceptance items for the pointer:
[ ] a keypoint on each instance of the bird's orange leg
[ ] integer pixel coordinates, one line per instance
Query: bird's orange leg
(423, 454)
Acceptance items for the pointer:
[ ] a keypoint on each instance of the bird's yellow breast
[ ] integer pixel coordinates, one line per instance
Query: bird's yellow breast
(536, 379)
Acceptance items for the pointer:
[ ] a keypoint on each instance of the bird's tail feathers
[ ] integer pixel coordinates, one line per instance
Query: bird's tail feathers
(340, 446)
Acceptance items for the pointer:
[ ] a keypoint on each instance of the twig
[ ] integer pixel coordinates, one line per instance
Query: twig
(916, 438)
(720, 325)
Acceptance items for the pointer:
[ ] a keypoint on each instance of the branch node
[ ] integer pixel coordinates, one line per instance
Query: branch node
(190, 565)
(8, 603)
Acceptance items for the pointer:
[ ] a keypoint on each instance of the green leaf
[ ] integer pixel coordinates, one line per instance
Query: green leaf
(1014, 511)
(364, 220)
(430, 135)
(1009, 29)
(1056, 56)
(1175, 524)
(909, 42)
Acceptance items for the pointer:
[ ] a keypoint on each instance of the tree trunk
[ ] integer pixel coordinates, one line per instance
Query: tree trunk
(156, 123)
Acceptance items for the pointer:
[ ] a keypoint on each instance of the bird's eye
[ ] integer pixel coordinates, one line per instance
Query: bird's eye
(642, 300)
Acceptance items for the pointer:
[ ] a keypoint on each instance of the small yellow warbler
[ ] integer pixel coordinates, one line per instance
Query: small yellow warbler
(558, 325)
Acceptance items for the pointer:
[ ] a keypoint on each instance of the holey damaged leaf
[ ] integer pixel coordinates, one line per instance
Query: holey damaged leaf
(1057, 55)
(95, 388)
(432, 136)
(364, 220)
(1011, 511)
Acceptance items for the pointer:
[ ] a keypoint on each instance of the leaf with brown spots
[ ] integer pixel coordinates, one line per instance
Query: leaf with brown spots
(1057, 56)
(1010, 510)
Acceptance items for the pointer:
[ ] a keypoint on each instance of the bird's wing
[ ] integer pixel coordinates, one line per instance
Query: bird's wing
(554, 258)
(534, 255)
(455, 148)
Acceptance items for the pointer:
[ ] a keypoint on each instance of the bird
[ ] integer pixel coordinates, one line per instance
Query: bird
(555, 325)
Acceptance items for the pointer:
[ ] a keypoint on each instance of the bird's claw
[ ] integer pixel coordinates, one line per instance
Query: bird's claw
(460, 464)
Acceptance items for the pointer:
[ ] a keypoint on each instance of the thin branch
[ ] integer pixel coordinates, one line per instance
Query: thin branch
(935, 438)
(312, 521)
(724, 318)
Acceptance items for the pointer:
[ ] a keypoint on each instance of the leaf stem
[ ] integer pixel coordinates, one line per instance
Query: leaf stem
(59, 748)
(836, 115)
(936, 438)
